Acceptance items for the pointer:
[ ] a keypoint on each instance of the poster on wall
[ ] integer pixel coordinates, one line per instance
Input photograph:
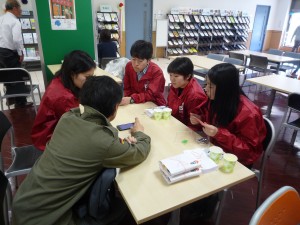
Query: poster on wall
(62, 14)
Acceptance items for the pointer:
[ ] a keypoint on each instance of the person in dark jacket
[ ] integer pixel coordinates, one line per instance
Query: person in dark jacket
(106, 47)
(83, 143)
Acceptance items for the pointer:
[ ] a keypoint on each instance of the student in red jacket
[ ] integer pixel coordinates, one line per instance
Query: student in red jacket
(143, 80)
(185, 92)
(229, 118)
(61, 95)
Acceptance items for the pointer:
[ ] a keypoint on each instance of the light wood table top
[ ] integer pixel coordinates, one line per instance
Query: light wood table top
(278, 82)
(271, 57)
(98, 72)
(143, 188)
(204, 62)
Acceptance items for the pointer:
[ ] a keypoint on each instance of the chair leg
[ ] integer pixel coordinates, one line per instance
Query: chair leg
(38, 88)
(294, 137)
(34, 103)
(5, 212)
(222, 195)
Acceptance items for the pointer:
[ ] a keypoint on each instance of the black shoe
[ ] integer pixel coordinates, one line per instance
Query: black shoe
(23, 104)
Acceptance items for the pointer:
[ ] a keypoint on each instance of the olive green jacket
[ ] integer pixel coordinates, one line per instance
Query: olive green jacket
(81, 145)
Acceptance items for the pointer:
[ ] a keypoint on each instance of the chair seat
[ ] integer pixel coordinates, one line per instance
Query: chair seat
(16, 90)
(201, 72)
(24, 159)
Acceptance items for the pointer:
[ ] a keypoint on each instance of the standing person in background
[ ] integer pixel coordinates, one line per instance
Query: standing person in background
(143, 80)
(61, 95)
(106, 47)
(297, 39)
(229, 118)
(185, 92)
(11, 46)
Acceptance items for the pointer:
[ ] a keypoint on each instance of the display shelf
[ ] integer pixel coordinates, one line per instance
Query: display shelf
(109, 20)
(202, 34)
(30, 41)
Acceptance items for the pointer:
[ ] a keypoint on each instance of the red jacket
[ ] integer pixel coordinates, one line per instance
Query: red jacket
(149, 88)
(244, 135)
(192, 96)
(56, 101)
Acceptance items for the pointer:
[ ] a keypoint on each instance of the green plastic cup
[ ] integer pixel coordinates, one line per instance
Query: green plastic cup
(229, 161)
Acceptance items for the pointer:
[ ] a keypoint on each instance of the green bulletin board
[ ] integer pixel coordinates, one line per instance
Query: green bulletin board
(57, 43)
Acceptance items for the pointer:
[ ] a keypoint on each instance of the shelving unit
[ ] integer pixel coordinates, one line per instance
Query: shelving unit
(31, 51)
(204, 33)
(109, 20)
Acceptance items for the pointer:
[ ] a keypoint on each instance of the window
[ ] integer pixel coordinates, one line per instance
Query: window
(293, 24)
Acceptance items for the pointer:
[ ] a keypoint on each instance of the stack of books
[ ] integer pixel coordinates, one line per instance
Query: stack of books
(188, 164)
(179, 167)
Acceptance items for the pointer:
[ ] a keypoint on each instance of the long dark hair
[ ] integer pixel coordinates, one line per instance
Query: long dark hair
(74, 63)
(223, 108)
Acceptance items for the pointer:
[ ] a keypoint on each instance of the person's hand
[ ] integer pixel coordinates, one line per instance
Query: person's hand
(125, 101)
(130, 140)
(208, 129)
(137, 126)
(193, 118)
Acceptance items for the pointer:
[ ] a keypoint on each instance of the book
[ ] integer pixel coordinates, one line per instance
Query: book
(206, 163)
(189, 174)
(27, 38)
(179, 164)
(32, 21)
(34, 38)
(25, 23)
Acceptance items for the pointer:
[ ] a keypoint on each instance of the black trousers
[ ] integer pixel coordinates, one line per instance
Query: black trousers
(11, 59)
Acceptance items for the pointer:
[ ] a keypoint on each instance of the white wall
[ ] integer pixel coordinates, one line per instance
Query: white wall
(277, 18)
(24, 7)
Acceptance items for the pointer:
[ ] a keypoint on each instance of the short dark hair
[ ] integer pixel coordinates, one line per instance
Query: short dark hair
(10, 4)
(227, 96)
(74, 63)
(142, 50)
(182, 66)
(105, 35)
(101, 93)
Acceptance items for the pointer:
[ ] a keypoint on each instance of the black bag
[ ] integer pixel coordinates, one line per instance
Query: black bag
(96, 201)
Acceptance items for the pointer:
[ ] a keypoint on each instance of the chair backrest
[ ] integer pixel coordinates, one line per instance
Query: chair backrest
(234, 61)
(3, 187)
(294, 101)
(258, 61)
(215, 56)
(237, 56)
(292, 55)
(13, 75)
(270, 137)
(281, 208)
(103, 61)
(5, 126)
(275, 51)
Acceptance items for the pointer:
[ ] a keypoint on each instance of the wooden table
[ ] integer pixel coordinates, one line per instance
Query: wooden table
(279, 83)
(98, 72)
(277, 59)
(204, 62)
(143, 188)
